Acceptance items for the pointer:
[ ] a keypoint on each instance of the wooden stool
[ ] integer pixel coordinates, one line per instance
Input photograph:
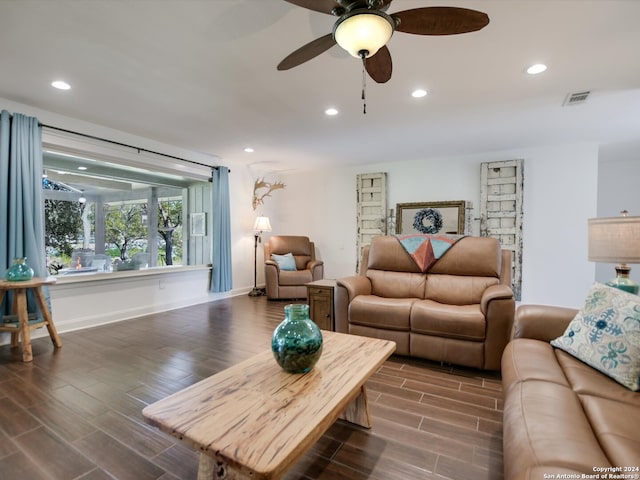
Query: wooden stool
(22, 327)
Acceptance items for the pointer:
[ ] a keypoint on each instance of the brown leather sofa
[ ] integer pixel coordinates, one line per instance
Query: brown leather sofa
(284, 284)
(460, 311)
(562, 417)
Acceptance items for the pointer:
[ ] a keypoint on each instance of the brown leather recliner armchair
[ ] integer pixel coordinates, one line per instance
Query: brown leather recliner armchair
(459, 311)
(290, 284)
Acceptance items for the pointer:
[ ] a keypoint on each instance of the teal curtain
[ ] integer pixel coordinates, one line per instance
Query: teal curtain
(221, 279)
(21, 198)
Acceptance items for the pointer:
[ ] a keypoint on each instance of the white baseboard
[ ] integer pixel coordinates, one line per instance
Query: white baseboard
(108, 316)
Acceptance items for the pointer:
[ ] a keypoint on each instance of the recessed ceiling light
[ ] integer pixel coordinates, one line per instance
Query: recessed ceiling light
(82, 168)
(249, 150)
(61, 85)
(419, 93)
(536, 68)
(331, 111)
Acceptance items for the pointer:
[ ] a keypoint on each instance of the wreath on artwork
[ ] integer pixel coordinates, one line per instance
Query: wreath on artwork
(433, 216)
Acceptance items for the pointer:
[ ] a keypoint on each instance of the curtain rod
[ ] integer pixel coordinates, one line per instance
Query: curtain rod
(93, 137)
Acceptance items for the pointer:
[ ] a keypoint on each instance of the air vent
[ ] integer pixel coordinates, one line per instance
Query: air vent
(576, 98)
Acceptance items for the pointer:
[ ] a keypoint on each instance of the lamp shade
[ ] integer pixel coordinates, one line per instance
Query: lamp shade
(262, 224)
(363, 31)
(614, 239)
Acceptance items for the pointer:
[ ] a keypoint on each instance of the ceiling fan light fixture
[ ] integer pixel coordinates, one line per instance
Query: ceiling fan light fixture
(363, 32)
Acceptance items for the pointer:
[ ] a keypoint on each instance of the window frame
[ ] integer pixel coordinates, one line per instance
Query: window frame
(70, 144)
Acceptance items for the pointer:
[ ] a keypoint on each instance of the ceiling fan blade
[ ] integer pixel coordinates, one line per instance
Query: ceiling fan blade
(322, 6)
(440, 20)
(307, 52)
(379, 66)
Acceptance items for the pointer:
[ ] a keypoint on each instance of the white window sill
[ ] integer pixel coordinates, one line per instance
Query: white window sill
(126, 274)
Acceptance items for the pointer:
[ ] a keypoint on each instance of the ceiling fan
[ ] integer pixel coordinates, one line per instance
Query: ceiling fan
(363, 28)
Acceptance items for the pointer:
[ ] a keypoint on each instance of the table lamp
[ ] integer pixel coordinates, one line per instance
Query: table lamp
(261, 225)
(616, 240)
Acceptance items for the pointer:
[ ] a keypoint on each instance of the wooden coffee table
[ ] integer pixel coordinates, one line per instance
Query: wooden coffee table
(254, 420)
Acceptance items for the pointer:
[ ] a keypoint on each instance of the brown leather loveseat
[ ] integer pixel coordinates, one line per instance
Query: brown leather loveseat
(563, 418)
(459, 311)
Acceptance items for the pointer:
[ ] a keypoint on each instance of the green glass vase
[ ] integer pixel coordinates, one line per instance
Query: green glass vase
(297, 341)
(19, 271)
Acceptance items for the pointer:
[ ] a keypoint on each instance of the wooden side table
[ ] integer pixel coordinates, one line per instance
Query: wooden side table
(320, 295)
(22, 327)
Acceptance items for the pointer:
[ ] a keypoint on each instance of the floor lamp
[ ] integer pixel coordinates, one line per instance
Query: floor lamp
(261, 225)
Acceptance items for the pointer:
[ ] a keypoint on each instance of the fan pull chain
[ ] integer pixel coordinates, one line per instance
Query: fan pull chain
(364, 88)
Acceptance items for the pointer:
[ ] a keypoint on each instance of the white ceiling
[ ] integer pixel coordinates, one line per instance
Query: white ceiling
(201, 74)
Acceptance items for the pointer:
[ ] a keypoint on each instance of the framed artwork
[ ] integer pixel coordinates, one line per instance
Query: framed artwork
(431, 217)
(198, 223)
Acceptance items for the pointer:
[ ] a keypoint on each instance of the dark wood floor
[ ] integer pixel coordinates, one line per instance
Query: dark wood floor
(75, 413)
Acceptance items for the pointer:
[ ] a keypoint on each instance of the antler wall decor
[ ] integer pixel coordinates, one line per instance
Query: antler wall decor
(261, 184)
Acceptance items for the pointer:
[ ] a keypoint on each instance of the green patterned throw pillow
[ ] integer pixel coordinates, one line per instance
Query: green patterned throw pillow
(605, 334)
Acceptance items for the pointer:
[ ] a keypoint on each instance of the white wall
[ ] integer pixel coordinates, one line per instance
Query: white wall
(100, 299)
(619, 173)
(559, 196)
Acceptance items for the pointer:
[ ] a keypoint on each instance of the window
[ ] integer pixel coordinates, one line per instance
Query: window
(102, 216)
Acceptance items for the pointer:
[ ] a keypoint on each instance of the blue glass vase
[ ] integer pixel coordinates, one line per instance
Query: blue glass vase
(19, 271)
(297, 341)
